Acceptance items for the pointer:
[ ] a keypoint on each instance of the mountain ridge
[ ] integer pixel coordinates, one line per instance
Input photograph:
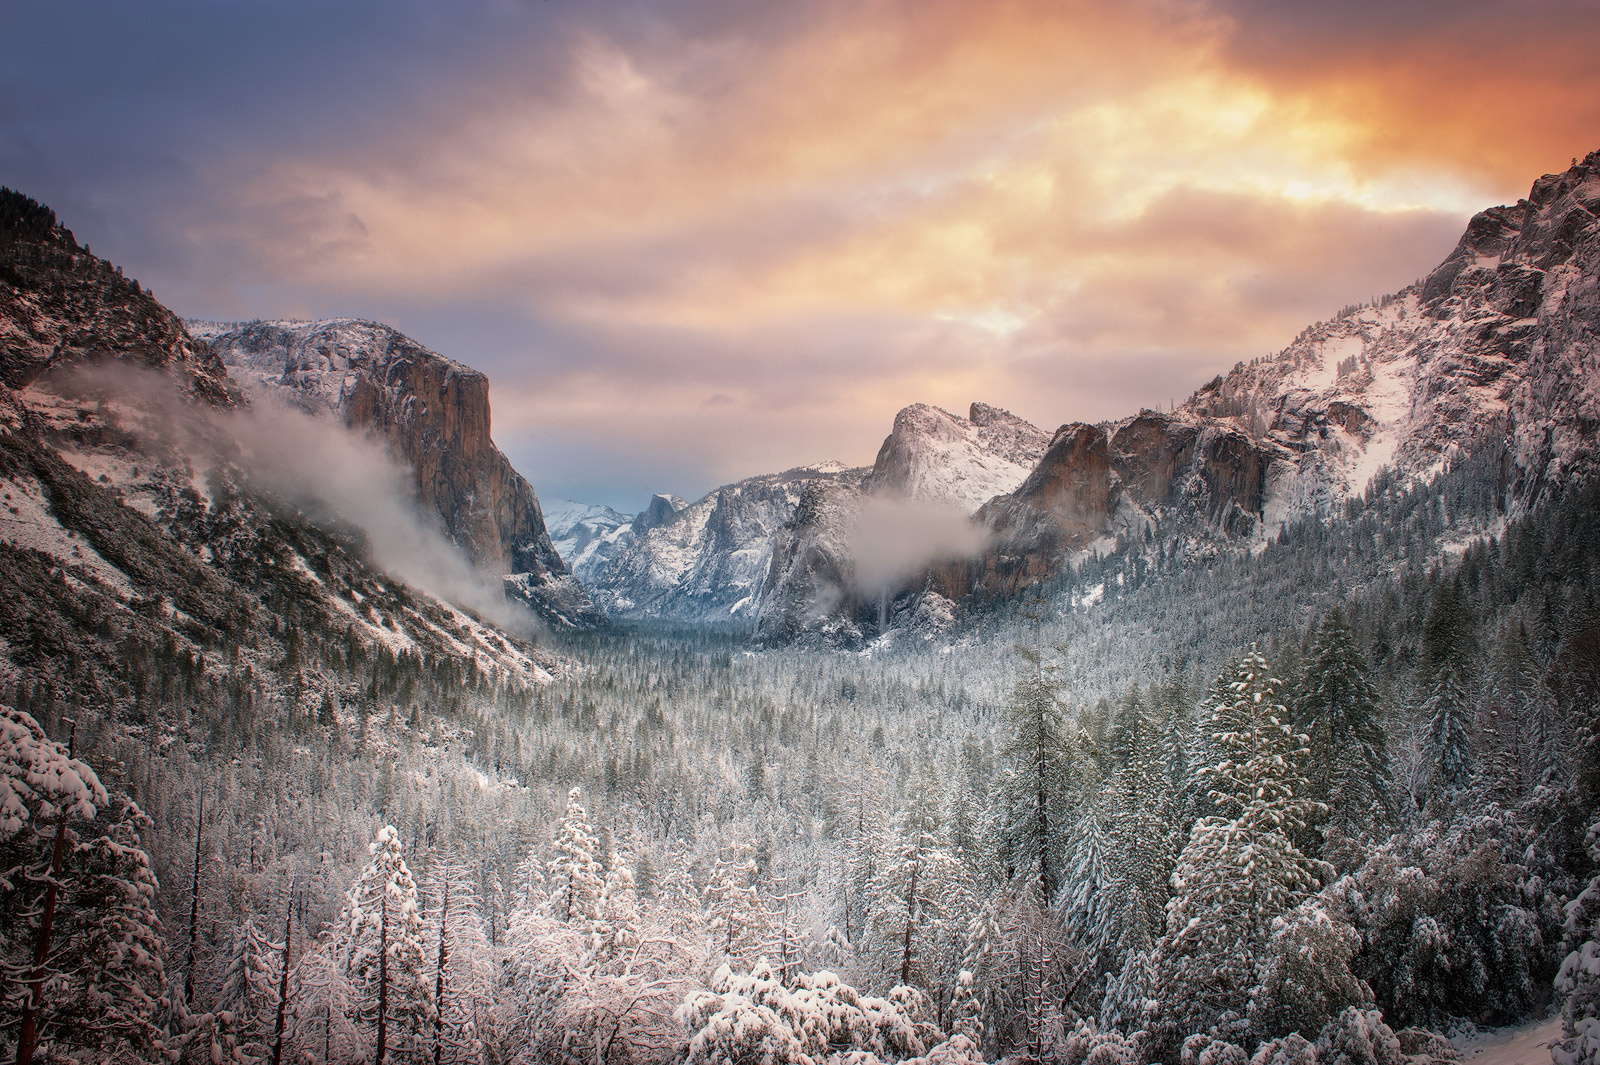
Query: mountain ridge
(1496, 348)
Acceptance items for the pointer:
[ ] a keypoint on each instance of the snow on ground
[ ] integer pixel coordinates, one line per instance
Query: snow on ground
(26, 522)
(396, 642)
(1525, 1044)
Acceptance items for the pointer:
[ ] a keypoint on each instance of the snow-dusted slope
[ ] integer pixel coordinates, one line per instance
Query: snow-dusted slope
(1496, 352)
(707, 560)
(132, 519)
(1500, 344)
(939, 457)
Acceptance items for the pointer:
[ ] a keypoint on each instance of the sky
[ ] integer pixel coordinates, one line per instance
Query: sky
(696, 240)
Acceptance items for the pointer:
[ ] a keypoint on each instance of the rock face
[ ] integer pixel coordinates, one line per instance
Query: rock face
(941, 457)
(434, 414)
(811, 588)
(1498, 348)
(1497, 351)
(708, 560)
(60, 307)
(126, 508)
(932, 472)
(583, 533)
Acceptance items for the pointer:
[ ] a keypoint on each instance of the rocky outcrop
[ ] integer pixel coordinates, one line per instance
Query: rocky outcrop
(61, 307)
(940, 457)
(662, 509)
(853, 559)
(811, 588)
(1100, 482)
(147, 517)
(434, 415)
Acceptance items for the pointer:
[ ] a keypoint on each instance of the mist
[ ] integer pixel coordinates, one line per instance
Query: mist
(329, 472)
(895, 539)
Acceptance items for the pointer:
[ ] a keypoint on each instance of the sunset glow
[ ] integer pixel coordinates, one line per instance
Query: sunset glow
(757, 231)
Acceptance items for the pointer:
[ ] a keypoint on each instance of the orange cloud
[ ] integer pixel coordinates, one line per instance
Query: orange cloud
(934, 200)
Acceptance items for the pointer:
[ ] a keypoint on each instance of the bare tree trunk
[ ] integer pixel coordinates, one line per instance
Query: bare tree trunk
(381, 1057)
(438, 984)
(194, 902)
(28, 1038)
(911, 910)
(283, 983)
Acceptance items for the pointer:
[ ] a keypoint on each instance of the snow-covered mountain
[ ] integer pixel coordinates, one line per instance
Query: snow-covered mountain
(835, 566)
(748, 548)
(582, 531)
(128, 502)
(706, 560)
(940, 457)
(434, 414)
(1496, 352)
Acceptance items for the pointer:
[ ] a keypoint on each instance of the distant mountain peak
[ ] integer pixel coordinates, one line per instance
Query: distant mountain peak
(940, 457)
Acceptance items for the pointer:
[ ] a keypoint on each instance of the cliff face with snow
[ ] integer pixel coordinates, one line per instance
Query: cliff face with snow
(60, 306)
(1496, 351)
(126, 502)
(836, 566)
(941, 457)
(434, 414)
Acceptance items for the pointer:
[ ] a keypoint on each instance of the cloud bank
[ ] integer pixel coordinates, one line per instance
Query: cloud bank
(700, 239)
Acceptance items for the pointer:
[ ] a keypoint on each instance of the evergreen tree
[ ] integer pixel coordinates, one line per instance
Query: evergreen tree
(921, 902)
(323, 1008)
(576, 876)
(1449, 742)
(1447, 642)
(250, 986)
(463, 966)
(1579, 978)
(382, 947)
(1336, 707)
(1240, 869)
(1038, 777)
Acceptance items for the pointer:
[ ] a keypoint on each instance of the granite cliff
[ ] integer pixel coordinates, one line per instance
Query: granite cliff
(434, 415)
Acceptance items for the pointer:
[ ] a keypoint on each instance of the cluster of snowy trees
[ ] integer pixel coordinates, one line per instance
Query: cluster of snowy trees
(1136, 841)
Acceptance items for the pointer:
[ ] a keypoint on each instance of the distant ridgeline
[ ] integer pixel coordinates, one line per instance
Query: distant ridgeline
(1298, 762)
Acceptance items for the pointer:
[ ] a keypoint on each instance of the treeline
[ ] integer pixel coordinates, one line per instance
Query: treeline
(1135, 836)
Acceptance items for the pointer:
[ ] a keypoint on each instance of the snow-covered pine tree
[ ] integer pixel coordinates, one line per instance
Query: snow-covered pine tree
(864, 841)
(1240, 869)
(1579, 978)
(1336, 707)
(966, 1008)
(1449, 716)
(920, 900)
(735, 917)
(382, 946)
(576, 876)
(250, 986)
(462, 965)
(1038, 778)
(1095, 894)
(44, 792)
(112, 991)
(322, 1028)
(1447, 641)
